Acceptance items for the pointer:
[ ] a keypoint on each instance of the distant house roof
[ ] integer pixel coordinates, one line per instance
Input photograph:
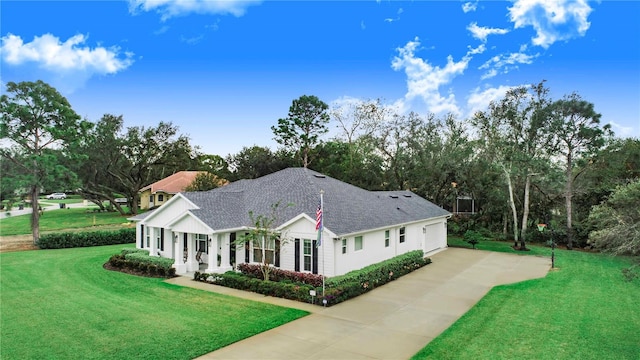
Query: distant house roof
(347, 208)
(173, 184)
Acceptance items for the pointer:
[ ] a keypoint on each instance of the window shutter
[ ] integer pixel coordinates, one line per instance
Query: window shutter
(276, 254)
(141, 236)
(161, 239)
(314, 256)
(297, 255)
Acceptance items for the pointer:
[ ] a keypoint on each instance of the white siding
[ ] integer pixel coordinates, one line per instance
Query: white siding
(168, 212)
(306, 229)
(189, 224)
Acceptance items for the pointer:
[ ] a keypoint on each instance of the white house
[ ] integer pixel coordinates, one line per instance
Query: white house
(199, 229)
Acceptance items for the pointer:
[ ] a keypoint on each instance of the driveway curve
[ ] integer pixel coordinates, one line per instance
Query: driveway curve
(394, 321)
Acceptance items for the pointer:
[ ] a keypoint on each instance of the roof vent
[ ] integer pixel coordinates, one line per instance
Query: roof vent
(319, 176)
(407, 195)
(393, 196)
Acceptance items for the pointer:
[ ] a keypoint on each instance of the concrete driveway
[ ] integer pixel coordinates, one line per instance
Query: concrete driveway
(394, 321)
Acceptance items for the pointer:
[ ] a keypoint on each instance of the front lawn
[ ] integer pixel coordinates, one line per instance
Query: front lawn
(59, 219)
(583, 310)
(61, 304)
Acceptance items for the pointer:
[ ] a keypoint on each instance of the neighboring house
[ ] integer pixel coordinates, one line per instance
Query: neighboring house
(200, 229)
(161, 191)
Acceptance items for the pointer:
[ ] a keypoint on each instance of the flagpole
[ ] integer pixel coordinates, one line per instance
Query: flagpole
(324, 301)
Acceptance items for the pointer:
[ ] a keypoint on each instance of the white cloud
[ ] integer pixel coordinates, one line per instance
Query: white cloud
(171, 8)
(479, 100)
(505, 63)
(479, 50)
(469, 6)
(48, 52)
(425, 80)
(621, 130)
(553, 20)
(481, 32)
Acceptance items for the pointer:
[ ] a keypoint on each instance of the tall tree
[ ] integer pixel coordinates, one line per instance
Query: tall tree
(151, 155)
(102, 149)
(515, 133)
(617, 221)
(300, 131)
(36, 120)
(256, 161)
(577, 131)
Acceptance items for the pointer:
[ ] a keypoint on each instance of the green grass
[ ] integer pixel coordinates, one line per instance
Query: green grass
(583, 310)
(52, 220)
(61, 304)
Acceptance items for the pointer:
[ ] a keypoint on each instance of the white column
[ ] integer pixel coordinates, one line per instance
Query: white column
(192, 265)
(181, 268)
(153, 246)
(226, 246)
(212, 266)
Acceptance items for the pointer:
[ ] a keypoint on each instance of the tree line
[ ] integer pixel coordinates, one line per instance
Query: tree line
(525, 159)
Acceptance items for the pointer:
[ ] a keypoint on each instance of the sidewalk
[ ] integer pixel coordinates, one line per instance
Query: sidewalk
(392, 322)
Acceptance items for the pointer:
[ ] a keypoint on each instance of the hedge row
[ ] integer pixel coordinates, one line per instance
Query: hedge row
(286, 290)
(85, 239)
(276, 274)
(150, 260)
(358, 282)
(337, 289)
(141, 264)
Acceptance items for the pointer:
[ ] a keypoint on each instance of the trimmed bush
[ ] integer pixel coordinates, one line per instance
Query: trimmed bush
(337, 289)
(126, 251)
(276, 274)
(86, 239)
(286, 290)
(140, 263)
(358, 282)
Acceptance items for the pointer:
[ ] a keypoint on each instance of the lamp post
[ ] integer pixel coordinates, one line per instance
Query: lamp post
(541, 228)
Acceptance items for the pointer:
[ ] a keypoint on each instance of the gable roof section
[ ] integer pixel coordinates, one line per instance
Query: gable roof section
(347, 208)
(173, 184)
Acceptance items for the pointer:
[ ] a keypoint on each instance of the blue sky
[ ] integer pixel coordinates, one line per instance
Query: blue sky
(226, 71)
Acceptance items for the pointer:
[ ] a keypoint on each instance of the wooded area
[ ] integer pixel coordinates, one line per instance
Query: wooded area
(526, 159)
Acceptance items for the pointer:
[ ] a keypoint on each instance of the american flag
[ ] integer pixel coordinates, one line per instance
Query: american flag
(319, 215)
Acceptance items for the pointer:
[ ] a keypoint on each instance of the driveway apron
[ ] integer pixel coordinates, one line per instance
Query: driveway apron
(391, 322)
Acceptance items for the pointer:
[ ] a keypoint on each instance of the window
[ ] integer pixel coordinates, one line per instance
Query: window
(344, 246)
(402, 230)
(160, 198)
(307, 255)
(201, 243)
(148, 236)
(386, 238)
(270, 246)
(357, 243)
(151, 198)
(158, 241)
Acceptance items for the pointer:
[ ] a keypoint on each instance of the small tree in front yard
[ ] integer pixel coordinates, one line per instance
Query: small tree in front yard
(473, 237)
(263, 235)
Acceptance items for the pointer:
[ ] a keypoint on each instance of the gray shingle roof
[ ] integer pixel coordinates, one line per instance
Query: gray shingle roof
(347, 208)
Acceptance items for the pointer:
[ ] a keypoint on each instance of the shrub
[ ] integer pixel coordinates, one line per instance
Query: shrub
(296, 286)
(358, 282)
(85, 239)
(473, 237)
(278, 275)
(292, 291)
(141, 263)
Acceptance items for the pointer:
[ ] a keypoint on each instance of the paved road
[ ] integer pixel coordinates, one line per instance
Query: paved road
(25, 211)
(391, 322)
